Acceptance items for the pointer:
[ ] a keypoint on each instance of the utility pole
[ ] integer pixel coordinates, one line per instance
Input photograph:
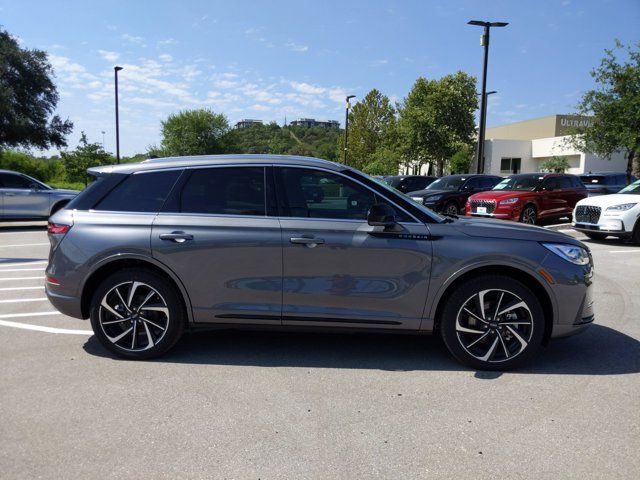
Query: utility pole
(346, 129)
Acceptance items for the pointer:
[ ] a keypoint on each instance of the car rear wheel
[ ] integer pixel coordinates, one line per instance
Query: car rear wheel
(137, 314)
(529, 215)
(451, 209)
(596, 236)
(492, 322)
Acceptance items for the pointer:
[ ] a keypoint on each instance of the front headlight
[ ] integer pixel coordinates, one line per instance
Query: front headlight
(433, 198)
(509, 201)
(620, 208)
(417, 199)
(571, 253)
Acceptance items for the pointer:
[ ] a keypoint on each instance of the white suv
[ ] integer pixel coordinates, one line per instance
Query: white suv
(616, 214)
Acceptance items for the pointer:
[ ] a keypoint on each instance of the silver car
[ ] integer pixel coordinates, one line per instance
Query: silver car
(152, 249)
(23, 197)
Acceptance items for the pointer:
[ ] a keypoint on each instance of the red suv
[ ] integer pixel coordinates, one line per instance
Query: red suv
(529, 197)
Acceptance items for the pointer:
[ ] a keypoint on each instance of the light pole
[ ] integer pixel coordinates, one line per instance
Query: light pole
(484, 41)
(103, 132)
(116, 69)
(484, 122)
(346, 129)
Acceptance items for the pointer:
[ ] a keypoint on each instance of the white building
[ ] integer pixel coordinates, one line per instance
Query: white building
(522, 147)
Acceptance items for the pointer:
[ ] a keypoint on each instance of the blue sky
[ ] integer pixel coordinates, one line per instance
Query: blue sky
(251, 59)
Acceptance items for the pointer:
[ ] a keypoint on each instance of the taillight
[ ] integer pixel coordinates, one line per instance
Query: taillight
(57, 228)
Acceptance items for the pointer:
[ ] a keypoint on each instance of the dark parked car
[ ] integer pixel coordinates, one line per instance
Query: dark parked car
(529, 197)
(604, 183)
(449, 194)
(152, 249)
(25, 198)
(409, 183)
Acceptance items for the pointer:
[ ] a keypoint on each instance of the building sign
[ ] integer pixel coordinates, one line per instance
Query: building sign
(566, 124)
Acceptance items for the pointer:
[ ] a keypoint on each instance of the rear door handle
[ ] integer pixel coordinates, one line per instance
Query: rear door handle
(178, 237)
(309, 241)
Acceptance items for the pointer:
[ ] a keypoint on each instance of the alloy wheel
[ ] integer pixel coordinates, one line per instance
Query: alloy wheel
(133, 316)
(451, 209)
(494, 325)
(529, 216)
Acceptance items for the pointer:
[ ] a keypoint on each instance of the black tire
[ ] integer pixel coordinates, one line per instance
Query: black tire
(635, 238)
(162, 317)
(503, 336)
(596, 236)
(529, 215)
(451, 208)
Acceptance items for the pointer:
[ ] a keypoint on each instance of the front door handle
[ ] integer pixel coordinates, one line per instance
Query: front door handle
(308, 241)
(178, 237)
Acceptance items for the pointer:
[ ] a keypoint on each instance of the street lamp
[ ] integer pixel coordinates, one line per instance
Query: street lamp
(484, 41)
(103, 132)
(116, 69)
(346, 129)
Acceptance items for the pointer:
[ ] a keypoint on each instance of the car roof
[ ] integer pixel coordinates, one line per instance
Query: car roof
(601, 174)
(215, 160)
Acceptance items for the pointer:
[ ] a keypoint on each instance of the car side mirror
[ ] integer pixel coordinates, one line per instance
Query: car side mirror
(381, 215)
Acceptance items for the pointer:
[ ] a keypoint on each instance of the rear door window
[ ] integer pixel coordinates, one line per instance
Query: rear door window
(10, 180)
(140, 192)
(225, 191)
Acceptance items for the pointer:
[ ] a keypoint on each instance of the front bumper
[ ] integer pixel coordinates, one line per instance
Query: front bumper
(610, 225)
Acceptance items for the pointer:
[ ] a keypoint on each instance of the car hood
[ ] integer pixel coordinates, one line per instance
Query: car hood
(609, 200)
(499, 194)
(429, 193)
(492, 228)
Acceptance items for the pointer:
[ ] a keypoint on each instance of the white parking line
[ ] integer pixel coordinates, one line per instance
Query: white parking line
(22, 278)
(20, 300)
(32, 314)
(25, 245)
(635, 250)
(10, 289)
(26, 263)
(22, 269)
(28, 326)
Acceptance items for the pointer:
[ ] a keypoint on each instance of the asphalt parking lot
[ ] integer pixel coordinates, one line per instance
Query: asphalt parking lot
(268, 405)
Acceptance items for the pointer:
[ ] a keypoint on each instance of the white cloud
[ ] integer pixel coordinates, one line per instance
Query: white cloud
(165, 57)
(167, 41)
(307, 88)
(109, 56)
(133, 39)
(296, 47)
(379, 63)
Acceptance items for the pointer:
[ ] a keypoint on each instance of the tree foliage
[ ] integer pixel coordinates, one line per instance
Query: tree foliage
(461, 160)
(194, 132)
(28, 98)
(372, 124)
(436, 119)
(556, 164)
(615, 106)
(86, 155)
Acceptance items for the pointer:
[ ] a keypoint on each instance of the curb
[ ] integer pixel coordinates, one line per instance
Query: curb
(559, 226)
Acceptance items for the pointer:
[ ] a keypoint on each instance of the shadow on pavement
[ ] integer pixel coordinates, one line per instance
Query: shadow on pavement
(598, 351)
(12, 227)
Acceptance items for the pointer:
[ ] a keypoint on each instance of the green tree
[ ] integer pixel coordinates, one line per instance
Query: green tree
(86, 155)
(437, 118)
(28, 98)
(194, 132)
(461, 160)
(615, 106)
(371, 125)
(556, 164)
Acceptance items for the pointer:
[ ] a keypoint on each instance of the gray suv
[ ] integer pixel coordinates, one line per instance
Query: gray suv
(23, 197)
(152, 249)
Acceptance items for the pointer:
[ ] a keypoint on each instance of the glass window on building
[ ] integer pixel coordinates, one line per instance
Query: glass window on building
(510, 165)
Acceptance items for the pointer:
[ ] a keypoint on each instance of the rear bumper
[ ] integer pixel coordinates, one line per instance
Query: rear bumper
(69, 306)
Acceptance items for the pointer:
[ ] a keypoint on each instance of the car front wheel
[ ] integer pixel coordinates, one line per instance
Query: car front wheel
(451, 209)
(137, 314)
(529, 215)
(492, 322)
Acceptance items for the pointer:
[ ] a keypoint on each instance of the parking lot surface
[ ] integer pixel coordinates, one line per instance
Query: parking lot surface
(283, 405)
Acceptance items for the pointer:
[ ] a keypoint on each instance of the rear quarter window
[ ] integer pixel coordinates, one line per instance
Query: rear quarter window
(140, 192)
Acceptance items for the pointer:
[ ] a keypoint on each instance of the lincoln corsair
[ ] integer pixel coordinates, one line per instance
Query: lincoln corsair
(152, 249)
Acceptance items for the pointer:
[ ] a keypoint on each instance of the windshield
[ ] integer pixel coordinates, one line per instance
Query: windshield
(593, 179)
(520, 182)
(387, 187)
(393, 181)
(633, 188)
(447, 183)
